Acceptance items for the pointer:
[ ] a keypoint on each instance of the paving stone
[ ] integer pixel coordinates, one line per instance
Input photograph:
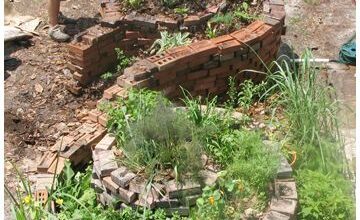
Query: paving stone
(209, 177)
(286, 190)
(284, 206)
(122, 177)
(106, 142)
(284, 171)
(110, 185)
(127, 195)
(179, 190)
(272, 215)
(107, 162)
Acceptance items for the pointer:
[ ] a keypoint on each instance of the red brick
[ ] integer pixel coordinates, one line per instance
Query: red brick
(46, 161)
(255, 25)
(198, 61)
(110, 92)
(191, 20)
(81, 50)
(132, 34)
(181, 52)
(197, 74)
(165, 76)
(94, 115)
(204, 48)
(122, 94)
(165, 63)
(156, 57)
(220, 70)
(203, 86)
(230, 46)
(103, 119)
(244, 36)
(221, 39)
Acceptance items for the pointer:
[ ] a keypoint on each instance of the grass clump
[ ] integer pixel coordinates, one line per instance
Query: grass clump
(164, 140)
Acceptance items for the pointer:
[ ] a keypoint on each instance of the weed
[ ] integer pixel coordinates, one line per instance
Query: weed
(163, 140)
(168, 41)
(107, 76)
(324, 196)
(123, 60)
(181, 11)
(242, 13)
(135, 4)
(211, 32)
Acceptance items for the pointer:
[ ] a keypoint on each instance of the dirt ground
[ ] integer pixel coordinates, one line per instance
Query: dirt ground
(38, 108)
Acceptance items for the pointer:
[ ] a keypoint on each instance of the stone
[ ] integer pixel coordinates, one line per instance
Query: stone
(272, 215)
(191, 200)
(176, 190)
(122, 177)
(127, 196)
(209, 177)
(107, 162)
(106, 142)
(286, 190)
(284, 206)
(96, 168)
(284, 171)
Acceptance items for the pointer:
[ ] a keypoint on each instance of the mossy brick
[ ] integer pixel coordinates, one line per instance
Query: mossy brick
(284, 206)
(286, 189)
(166, 202)
(182, 211)
(211, 64)
(284, 171)
(107, 162)
(272, 215)
(106, 143)
(176, 190)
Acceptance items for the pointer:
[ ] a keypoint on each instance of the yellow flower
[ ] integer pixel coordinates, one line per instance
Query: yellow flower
(211, 200)
(59, 201)
(27, 199)
(240, 187)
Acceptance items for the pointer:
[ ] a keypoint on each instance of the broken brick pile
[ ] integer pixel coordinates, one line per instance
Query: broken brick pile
(119, 187)
(92, 52)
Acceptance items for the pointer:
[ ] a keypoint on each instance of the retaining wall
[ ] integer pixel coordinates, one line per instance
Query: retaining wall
(92, 52)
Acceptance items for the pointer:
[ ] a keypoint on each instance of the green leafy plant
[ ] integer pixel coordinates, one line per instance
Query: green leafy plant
(164, 139)
(168, 41)
(181, 11)
(211, 32)
(123, 60)
(242, 12)
(135, 4)
(107, 76)
(324, 196)
(138, 105)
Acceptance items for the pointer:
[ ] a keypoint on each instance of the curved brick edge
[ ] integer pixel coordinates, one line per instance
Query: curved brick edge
(92, 51)
(117, 185)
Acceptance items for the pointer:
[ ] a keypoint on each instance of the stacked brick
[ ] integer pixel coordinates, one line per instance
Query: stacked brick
(93, 51)
(119, 187)
(204, 67)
